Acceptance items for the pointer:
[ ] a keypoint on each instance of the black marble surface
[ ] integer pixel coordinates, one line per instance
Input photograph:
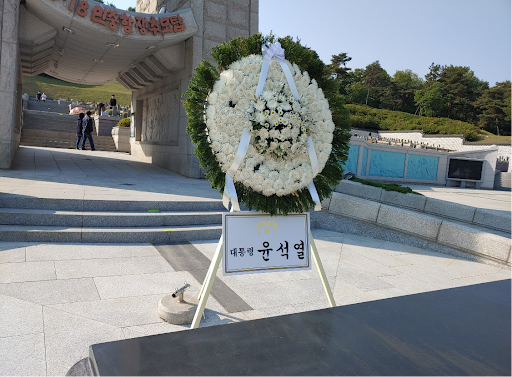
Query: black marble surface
(459, 331)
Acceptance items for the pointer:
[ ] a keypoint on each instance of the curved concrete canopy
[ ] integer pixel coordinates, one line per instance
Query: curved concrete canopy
(62, 41)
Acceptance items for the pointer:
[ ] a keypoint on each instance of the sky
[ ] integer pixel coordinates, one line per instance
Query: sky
(400, 34)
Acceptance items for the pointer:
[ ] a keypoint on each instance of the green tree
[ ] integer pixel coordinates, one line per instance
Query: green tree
(374, 79)
(462, 87)
(494, 107)
(432, 101)
(355, 76)
(338, 66)
(355, 93)
(131, 9)
(407, 83)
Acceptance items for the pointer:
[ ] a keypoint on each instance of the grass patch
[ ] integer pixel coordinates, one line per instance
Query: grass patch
(380, 119)
(489, 137)
(56, 89)
(386, 186)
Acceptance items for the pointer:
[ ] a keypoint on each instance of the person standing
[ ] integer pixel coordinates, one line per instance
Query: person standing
(38, 96)
(101, 105)
(87, 131)
(43, 97)
(113, 105)
(79, 128)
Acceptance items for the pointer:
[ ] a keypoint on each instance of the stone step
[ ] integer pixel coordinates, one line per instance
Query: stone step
(502, 181)
(25, 233)
(90, 205)
(56, 139)
(91, 219)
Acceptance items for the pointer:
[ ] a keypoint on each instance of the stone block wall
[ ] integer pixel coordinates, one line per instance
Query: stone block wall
(10, 82)
(160, 135)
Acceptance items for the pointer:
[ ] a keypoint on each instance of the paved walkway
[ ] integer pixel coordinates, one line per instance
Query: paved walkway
(58, 299)
(490, 199)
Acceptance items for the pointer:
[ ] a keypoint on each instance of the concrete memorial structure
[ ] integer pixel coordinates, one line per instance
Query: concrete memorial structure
(472, 169)
(153, 52)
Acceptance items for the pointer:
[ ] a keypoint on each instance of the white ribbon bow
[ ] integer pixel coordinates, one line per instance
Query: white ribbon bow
(272, 51)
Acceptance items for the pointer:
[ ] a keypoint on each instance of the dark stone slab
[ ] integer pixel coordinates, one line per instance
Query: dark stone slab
(459, 331)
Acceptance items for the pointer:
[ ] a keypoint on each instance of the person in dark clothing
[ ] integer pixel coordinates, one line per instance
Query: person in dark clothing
(87, 131)
(113, 105)
(79, 127)
(101, 105)
(38, 96)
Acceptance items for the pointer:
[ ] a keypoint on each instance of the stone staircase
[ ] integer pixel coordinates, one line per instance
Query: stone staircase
(50, 106)
(56, 130)
(502, 181)
(29, 219)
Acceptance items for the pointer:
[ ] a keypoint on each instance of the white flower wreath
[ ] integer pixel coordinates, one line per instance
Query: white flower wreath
(276, 161)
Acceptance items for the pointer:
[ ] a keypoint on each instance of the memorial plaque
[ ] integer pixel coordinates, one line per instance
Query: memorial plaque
(258, 242)
(465, 169)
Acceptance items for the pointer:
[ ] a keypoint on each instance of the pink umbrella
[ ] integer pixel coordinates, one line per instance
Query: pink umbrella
(77, 110)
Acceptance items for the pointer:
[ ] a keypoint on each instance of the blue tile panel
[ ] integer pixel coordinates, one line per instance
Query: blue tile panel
(422, 167)
(363, 162)
(387, 164)
(353, 156)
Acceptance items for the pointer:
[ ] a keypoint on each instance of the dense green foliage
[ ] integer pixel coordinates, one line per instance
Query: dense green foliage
(386, 186)
(125, 122)
(202, 82)
(379, 119)
(56, 89)
(448, 91)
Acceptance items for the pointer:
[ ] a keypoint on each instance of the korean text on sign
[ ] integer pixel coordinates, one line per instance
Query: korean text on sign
(259, 242)
(112, 18)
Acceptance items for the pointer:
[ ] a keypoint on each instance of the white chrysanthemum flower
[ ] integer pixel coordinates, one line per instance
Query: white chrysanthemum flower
(285, 159)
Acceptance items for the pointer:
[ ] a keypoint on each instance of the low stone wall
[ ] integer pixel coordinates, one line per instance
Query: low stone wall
(459, 212)
(121, 137)
(441, 225)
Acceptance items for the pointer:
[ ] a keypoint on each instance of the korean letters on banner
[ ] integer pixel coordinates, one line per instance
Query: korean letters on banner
(255, 242)
(112, 18)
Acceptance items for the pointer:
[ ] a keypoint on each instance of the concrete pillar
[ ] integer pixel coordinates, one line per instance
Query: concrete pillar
(10, 115)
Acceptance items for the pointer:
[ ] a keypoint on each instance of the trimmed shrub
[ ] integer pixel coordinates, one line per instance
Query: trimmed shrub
(386, 186)
(125, 122)
(379, 119)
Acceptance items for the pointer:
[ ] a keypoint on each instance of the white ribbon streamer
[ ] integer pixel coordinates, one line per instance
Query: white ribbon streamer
(270, 51)
(315, 167)
(229, 186)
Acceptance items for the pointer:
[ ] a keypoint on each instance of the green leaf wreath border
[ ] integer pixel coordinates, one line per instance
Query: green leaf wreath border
(201, 83)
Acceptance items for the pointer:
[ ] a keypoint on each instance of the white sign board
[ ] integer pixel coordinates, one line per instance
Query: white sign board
(258, 242)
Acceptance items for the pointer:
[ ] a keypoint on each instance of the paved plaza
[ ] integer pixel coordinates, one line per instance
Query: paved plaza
(58, 299)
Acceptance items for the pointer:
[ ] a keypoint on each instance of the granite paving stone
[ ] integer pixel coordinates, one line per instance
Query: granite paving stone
(43, 252)
(68, 336)
(49, 292)
(23, 355)
(11, 254)
(19, 317)
(67, 269)
(351, 258)
(27, 271)
(147, 284)
(121, 312)
(408, 284)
